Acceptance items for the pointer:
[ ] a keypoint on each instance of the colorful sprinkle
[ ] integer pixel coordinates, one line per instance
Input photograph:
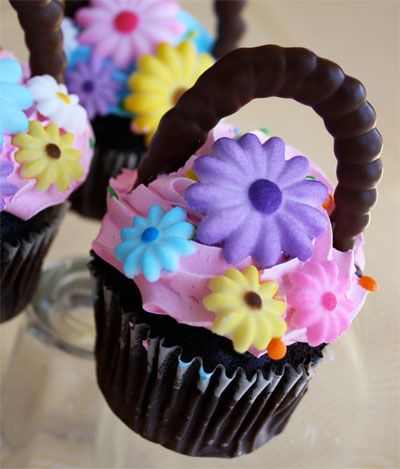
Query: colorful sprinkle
(190, 174)
(328, 202)
(276, 349)
(369, 283)
(112, 193)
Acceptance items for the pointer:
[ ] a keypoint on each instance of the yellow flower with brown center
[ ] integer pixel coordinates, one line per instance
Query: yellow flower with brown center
(160, 80)
(48, 157)
(246, 309)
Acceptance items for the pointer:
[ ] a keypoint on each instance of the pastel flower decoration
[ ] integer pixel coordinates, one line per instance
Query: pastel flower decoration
(7, 189)
(14, 98)
(319, 301)
(246, 310)
(47, 156)
(53, 101)
(160, 80)
(93, 82)
(155, 243)
(122, 30)
(255, 202)
(70, 33)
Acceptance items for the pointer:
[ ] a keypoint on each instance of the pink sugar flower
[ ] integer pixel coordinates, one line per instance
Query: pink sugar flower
(319, 302)
(124, 29)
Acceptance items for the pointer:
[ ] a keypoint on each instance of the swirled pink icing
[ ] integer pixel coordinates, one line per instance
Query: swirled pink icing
(27, 200)
(180, 294)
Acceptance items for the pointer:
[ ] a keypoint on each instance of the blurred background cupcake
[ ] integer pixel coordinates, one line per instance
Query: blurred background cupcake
(129, 61)
(46, 146)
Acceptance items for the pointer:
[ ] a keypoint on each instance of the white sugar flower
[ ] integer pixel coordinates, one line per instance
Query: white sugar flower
(53, 101)
(70, 32)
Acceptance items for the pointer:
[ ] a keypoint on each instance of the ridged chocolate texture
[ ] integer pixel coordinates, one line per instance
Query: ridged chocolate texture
(41, 22)
(230, 24)
(71, 6)
(295, 73)
(230, 27)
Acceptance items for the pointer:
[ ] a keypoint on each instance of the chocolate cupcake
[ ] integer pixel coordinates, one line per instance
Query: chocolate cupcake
(45, 152)
(129, 62)
(218, 285)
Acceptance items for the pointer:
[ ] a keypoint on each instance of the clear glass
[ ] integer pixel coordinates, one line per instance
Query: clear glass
(50, 400)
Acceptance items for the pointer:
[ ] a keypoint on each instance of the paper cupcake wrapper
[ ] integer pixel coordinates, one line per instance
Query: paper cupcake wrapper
(21, 265)
(90, 199)
(179, 405)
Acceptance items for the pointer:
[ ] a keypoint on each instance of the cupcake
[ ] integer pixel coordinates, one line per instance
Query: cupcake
(219, 284)
(129, 62)
(45, 151)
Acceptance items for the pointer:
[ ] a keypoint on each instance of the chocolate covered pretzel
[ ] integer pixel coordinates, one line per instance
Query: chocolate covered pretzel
(41, 22)
(299, 74)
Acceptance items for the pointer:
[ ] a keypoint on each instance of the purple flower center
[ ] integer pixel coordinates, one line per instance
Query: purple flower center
(150, 234)
(265, 196)
(88, 86)
(329, 301)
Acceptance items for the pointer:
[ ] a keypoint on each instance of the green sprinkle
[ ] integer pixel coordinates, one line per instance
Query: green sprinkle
(112, 192)
(191, 35)
(310, 177)
(265, 130)
(91, 143)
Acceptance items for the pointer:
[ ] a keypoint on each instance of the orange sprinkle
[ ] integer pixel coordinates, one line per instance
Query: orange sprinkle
(369, 283)
(328, 202)
(276, 349)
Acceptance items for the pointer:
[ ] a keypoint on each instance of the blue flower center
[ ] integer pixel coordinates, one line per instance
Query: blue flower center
(88, 86)
(150, 234)
(265, 196)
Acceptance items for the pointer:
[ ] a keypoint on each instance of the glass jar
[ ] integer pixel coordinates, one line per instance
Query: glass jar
(51, 404)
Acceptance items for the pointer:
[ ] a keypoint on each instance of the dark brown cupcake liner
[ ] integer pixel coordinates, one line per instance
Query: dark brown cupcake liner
(21, 263)
(90, 199)
(177, 404)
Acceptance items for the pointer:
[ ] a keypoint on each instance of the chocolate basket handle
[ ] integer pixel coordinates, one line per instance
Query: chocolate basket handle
(296, 73)
(41, 22)
(230, 24)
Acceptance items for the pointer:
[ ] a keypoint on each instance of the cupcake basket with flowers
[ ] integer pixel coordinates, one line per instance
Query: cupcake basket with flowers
(219, 284)
(45, 152)
(129, 61)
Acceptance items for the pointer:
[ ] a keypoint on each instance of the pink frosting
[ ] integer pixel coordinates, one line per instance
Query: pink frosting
(28, 201)
(180, 294)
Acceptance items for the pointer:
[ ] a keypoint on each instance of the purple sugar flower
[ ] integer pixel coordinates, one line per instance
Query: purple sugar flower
(255, 202)
(7, 189)
(93, 82)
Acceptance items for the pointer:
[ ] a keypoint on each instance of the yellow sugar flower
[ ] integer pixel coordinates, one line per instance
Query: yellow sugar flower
(48, 157)
(246, 309)
(160, 80)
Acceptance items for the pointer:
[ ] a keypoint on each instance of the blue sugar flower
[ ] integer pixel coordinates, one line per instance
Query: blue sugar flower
(155, 243)
(14, 98)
